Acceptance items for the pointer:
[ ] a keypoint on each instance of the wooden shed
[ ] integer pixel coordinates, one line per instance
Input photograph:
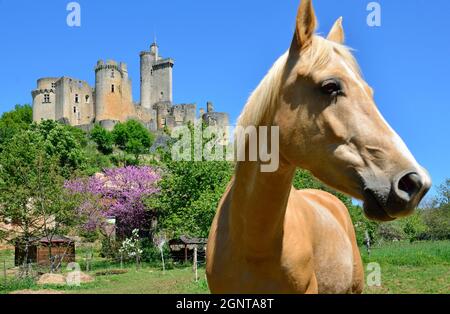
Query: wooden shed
(182, 249)
(38, 251)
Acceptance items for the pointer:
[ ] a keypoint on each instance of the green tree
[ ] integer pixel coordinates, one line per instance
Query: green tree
(15, 121)
(103, 138)
(437, 218)
(133, 138)
(32, 193)
(190, 193)
(64, 142)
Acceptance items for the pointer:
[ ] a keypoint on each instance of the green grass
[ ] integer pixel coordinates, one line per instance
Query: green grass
(422, 267)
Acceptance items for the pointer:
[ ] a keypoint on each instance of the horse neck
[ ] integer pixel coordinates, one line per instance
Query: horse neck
(258, 206)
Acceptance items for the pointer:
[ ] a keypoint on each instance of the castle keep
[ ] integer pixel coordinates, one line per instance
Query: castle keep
(74, 102)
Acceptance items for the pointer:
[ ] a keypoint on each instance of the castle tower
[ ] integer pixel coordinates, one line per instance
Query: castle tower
(113, 100)
(156, 77)
(44, 99)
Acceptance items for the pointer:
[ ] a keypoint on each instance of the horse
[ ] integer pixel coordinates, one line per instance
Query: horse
(268, 237)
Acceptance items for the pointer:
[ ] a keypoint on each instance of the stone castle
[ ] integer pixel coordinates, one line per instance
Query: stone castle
(74, 102)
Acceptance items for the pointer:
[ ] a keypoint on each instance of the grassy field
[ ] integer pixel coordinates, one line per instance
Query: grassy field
(405, 268)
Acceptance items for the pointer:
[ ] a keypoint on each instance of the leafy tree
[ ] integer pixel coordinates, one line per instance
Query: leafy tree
(133, 138)
(103, 138)
(64, 142)
(437, 218)
(15, 121)
(190, 193)
(32, 195)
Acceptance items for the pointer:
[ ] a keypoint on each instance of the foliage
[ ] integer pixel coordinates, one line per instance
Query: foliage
(190, 193)
(31, 188)
(133, 138)
(15, 284)
(14, 122)
(117, 193)
(65, 143)
(103, 138)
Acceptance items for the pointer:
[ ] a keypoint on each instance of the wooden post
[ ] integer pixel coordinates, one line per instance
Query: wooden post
(195, 264)
(163, 263)
(4, 271)
(185, 254)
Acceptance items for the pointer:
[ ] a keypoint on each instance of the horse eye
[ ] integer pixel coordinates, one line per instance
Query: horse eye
(331, 87)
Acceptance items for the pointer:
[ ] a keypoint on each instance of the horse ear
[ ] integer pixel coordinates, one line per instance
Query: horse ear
(306, 23)
(337, 32)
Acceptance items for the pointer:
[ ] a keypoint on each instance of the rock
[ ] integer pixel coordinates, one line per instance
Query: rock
(85, 278)
(52, 279)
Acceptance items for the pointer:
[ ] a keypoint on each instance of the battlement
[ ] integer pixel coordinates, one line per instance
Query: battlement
(36, 92)
(121, 67)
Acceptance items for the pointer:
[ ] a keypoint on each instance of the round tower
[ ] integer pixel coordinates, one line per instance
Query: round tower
(44, 99)
(146, 79)
(108, 92)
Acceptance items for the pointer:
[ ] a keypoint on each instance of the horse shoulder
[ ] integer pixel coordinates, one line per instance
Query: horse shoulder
(332, 204)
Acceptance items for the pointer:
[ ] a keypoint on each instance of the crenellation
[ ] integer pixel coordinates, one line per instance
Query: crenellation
(75, 102)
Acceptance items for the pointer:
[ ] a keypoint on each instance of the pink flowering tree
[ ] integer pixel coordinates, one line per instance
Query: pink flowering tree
(117, 193)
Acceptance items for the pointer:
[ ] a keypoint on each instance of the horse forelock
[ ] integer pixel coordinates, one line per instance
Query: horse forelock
(263, 100)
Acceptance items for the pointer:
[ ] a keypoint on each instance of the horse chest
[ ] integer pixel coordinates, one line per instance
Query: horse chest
(333, 256)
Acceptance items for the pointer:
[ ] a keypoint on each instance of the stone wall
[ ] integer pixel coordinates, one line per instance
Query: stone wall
(74, 102)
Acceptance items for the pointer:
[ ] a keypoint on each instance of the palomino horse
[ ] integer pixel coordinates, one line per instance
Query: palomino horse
(269, 238)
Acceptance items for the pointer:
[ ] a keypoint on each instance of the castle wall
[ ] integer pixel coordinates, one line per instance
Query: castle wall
(219, 119)
(184, 113)
(113, 99)
(74, 102)
(44, 99)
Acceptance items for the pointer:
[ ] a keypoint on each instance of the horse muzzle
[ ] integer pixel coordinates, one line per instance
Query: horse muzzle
(387, 201)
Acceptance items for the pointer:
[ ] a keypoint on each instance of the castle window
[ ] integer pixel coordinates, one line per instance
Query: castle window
(46, 98)
(77, 100)
(74, 109)
(87, 99)
(112, 88)
(112, 73)
(53, 85)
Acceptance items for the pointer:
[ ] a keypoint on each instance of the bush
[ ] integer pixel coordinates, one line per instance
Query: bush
(103, 138)
(390, 232)
(438, 223)
(16, 284)
(152, 255)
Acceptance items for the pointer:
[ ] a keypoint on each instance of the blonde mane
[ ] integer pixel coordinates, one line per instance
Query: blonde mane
(263, 101)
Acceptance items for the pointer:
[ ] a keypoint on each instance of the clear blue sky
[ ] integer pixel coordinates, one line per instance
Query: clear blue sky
(223, 48)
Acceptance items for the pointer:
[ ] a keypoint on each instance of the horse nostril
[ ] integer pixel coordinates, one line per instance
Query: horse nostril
(410, 184)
